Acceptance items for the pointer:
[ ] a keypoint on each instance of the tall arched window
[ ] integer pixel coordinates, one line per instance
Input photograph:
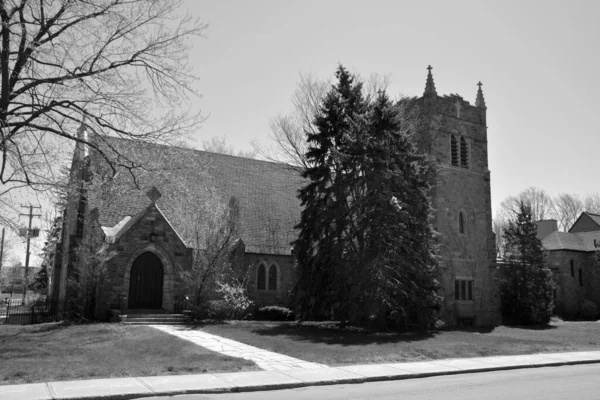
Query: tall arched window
(453, 151)
(273, 278)
(464, 153)
(261, 278)
(461, 222)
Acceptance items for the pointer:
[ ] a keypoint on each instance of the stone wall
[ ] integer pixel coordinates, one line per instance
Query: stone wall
(285, 270)
(469, 255)
(152, 233)
(569, 292)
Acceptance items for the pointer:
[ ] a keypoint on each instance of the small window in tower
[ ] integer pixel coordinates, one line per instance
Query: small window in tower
(464, 153)
(454, 151)
(461, 222)
(572, 268)
(463, 289)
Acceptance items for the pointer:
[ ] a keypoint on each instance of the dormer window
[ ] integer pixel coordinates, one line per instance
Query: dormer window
(461, 223)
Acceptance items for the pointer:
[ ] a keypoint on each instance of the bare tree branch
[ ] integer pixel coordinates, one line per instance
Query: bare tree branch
(122, 65)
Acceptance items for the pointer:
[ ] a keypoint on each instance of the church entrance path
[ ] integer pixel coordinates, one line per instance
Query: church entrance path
(266, 360)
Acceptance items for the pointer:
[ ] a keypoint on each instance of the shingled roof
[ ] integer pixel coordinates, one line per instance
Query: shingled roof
(586, 222)
(581, 241)
(266, 191)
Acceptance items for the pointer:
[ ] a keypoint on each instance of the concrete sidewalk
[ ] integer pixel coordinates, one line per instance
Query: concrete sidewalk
(130, 388)
(266, 360)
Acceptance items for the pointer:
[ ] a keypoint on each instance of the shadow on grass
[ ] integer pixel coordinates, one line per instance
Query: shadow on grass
(17, 330)
(512, 322)
(532, 327)
(470, 329)
(326, 333)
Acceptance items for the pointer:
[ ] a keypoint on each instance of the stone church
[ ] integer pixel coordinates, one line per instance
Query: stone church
(573, 259)
(144, 220)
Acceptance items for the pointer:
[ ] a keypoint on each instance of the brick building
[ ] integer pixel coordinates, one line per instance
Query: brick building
(572, 258)
(144, 224)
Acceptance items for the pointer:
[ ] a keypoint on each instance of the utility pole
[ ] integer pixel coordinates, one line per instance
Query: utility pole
(28, 234)
(1, 255)
(1, 249)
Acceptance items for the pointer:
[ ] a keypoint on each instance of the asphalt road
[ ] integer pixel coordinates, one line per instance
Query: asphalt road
(580, 382)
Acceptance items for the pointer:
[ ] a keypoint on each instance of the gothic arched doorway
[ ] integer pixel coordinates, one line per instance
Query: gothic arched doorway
(146, 282)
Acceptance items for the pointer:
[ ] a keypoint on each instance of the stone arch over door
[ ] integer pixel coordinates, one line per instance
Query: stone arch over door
(167, 264)
(146, 280)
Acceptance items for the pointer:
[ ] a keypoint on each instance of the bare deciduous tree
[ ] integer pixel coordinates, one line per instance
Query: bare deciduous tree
(567, 208)
(540, 202)
(591, 203)
(121, 66)
(289, 132)
(214, 228)
(219, 145)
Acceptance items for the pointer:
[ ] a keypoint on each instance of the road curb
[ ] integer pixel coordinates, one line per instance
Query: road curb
(356, 380)
(293, 381)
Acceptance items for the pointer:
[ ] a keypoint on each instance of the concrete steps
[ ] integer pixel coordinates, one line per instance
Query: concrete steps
(153, 319)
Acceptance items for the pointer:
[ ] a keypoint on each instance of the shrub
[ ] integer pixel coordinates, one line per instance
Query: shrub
(234, 294)
(274, 313)
(217, 309)
(588, 310)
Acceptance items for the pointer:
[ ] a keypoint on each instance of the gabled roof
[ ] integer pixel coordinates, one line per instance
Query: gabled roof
(595, 218)
(266, 192)
(580, 241)
(586, 222)
(113, 234)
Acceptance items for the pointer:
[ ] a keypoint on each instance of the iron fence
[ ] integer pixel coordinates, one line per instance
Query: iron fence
(181, 304)
(35, 313)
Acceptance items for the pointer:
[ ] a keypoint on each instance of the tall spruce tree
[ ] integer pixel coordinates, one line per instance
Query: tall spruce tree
(365, 247)
(527, 286)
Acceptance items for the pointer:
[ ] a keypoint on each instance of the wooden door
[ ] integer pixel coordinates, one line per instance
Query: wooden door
(146, 282)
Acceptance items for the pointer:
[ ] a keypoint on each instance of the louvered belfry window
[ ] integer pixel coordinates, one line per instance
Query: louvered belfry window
(454, 151)
(464, 153)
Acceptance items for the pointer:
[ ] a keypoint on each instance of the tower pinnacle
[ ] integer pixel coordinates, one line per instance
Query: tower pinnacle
(429, 85)
(480, 101)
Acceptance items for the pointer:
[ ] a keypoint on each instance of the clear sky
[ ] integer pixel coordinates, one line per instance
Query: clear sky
(538, 61)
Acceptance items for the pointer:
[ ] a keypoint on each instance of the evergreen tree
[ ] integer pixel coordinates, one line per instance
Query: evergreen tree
(527, 286)
(40, 283)
(366, 246)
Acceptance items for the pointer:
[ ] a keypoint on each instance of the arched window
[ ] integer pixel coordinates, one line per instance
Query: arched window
(464, 153)
(261, 278)
(461, 222)
(273, 278)
(453, 151)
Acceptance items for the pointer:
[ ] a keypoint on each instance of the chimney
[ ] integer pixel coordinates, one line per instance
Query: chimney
(546, 227)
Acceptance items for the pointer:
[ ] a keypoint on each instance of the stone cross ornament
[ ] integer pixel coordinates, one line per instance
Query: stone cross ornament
(153, 194)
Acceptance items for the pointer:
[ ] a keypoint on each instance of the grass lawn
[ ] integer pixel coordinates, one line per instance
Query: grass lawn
(53, 352)
(327, 344)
